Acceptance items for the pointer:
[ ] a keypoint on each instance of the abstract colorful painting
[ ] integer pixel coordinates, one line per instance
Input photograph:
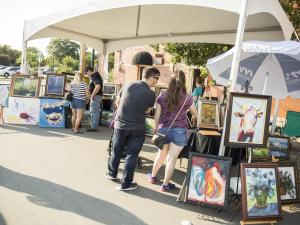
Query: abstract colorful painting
(22, 111)
(279, 146)
(52, 113)
(25, 86)
(4, 93)
(208, 180)
(55, 85)
(208, 114)
(248, 120)
(260, 197)
(288, 185)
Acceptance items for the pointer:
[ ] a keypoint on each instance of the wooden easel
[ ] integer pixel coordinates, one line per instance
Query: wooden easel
(272, 222)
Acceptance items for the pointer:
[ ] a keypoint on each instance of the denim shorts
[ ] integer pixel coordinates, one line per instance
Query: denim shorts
(178, 136)
(78, 103)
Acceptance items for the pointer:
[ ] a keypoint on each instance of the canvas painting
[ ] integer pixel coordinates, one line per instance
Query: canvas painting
(109, 89)
(22, 111)
(149, 125)
(279, 147)
(25, 86)
(208, 180)
(288, 187)
(261, 199)
(4, 93)
(260, 154)
(55, 85)
(208, 113)
(52, 113)
(248, 120)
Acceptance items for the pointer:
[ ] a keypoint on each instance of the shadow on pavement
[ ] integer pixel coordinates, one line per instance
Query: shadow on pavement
(2, 220)
(49, 194)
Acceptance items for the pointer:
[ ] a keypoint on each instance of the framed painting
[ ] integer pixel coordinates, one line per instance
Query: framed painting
(25, 86)
(260, 193)
(52, 113)
(55, 85)
(109, 89)
(208, 180)
(288, 183)
(208, 114)
(279, 146)
(22, 111)
(248, 120)
(260, 154)
(4, 94)
(150, 126)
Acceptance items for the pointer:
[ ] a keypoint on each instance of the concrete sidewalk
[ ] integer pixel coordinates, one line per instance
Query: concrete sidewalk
(52, 177)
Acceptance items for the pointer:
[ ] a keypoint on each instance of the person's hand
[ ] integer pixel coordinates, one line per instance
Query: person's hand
(155, 130)
(194, 121)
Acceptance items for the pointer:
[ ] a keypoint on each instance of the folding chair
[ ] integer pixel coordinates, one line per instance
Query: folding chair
(292, 125)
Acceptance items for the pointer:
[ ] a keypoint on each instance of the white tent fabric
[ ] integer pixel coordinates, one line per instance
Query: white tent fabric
(108, 25)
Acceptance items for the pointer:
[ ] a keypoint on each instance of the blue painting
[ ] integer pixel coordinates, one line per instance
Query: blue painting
(4, 93)
(55, 85)
(52, 113)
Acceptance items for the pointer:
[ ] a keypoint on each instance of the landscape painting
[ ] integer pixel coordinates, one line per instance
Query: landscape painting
(55, 85)
(208, 114)
(248, 120)
(52, 113)
(208, 180)
(261, 199)
(279, 147)
(25, 86)
(22, 111)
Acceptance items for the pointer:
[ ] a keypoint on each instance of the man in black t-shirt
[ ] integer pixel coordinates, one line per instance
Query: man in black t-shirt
(129, 128)
(96, 85)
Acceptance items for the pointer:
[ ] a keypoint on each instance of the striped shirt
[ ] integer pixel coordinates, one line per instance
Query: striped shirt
(78, 90)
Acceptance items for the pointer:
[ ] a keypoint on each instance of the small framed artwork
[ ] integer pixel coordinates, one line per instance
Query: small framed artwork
(288, 183)
(260, 191)
(260, 154)
(150, 126)
(109, 89)
(52, 113)
(208, 113)
(4, 94)
(208, 180)
(25, 86)
(55, 85)
(248, 120)
(279, 146)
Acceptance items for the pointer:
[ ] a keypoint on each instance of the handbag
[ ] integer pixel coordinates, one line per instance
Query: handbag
(69, 96)
(159, 139)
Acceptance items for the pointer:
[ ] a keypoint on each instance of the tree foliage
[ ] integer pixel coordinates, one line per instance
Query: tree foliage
(292, 9)
(60, 48)
(8, 56)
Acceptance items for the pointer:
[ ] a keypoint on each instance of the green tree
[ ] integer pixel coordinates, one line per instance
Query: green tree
(292, 9)
(8, 56)
(34, 58)
(58, 49)
(68, 65)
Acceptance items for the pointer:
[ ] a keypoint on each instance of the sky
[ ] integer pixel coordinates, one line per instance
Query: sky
(14, 12)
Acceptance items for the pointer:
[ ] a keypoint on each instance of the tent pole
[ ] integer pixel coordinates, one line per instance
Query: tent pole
(82, 58)
(235, 63)
(275, 115)
(24, 58)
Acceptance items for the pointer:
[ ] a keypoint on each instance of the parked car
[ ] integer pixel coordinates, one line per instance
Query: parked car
(9, 71)
(48, 71)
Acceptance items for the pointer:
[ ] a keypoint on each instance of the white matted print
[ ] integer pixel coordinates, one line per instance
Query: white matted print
(22, 111)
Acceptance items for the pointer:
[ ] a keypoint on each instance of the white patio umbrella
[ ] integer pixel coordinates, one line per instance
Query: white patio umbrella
(272, 68)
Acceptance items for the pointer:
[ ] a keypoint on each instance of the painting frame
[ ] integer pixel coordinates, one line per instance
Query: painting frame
(261, 206)
(213, 124)
(61, 90)
(4, 94)
(297, 186)
(278, 150)
(230, 123)
(27, 93)
(225, 195)
(52, 113)
(111, 87)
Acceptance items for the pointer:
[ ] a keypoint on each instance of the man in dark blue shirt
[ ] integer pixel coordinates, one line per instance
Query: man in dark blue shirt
(133, 102)
(96, 85)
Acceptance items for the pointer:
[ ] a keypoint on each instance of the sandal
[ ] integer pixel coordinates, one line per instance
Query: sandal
(167, 187)
(78, 132)
(151, 179)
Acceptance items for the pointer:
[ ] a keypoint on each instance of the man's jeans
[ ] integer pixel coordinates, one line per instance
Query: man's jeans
(95, 111)
(133, 140)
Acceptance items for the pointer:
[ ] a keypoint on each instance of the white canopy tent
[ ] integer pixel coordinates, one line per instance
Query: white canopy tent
(109, 25)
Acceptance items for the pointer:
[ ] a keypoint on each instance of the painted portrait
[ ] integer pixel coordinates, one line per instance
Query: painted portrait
(248, 120)
(55, 85)
(208, 114)
(279, 146)
(261, 199)
(25, 86)
(22, 111)
(288, 185)
(52, 113)
(208, 180)
(4, 94)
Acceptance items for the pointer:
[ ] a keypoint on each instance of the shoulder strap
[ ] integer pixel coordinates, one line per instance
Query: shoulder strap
(177, 114)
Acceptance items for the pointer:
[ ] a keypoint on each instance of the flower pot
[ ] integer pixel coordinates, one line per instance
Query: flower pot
(261, 199)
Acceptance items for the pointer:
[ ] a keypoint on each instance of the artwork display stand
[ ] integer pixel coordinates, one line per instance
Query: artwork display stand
(272, 222)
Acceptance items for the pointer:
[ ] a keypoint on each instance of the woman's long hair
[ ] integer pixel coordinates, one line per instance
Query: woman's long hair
(176, 87)
(78, 78)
